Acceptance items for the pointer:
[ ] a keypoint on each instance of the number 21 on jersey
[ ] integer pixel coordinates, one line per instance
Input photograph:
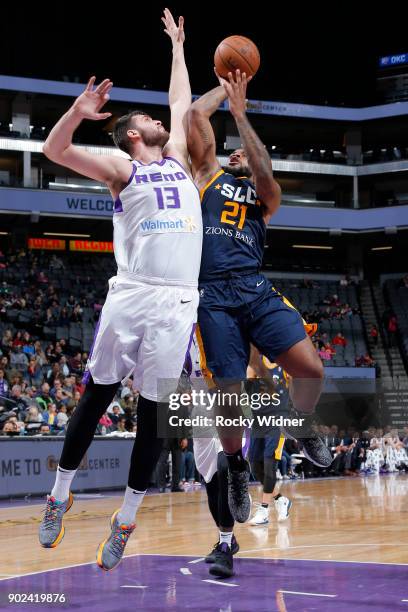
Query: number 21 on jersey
(234, 213)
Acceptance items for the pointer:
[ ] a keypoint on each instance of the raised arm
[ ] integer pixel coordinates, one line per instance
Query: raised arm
(59, 148)
(179, 90)
(267, 188)
(200, 135)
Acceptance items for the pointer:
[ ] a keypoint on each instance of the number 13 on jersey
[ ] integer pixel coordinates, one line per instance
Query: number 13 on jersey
(167, 197)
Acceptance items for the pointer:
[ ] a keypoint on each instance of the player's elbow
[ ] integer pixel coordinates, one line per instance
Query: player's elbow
(50, 152)
(46, 149)
(270, 194)
(195, 112)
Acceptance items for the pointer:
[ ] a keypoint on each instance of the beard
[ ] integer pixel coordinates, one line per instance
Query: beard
(238, 171)
(154, 138)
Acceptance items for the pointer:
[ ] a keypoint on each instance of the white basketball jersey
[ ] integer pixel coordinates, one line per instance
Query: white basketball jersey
(158, 225)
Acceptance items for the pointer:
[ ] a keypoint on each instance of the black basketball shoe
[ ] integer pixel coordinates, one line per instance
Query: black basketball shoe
(313, 447)
(223, 565)
(210, 558)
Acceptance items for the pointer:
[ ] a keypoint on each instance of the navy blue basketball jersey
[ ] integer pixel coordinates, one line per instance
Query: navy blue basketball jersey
(233, 226)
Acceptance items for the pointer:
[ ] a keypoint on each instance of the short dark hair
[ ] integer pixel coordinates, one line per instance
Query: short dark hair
(120, 129)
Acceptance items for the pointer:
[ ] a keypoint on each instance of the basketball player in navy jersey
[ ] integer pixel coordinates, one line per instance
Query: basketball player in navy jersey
(151, 307)
(238, 305)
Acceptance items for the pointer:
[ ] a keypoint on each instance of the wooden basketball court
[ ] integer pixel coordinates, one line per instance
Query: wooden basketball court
(337, 537)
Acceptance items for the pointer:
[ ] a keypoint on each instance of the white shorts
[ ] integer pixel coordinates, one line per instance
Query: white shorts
(144, 330)
(206, 456)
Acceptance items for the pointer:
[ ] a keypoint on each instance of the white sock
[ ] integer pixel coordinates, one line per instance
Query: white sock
(226, 536)
(62, 484)
(130, 505)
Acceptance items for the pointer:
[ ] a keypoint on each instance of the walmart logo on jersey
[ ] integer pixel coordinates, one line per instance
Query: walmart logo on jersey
(174, 225)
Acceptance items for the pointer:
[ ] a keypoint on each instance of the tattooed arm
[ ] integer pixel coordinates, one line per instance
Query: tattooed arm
(200, 136)
(267, 189)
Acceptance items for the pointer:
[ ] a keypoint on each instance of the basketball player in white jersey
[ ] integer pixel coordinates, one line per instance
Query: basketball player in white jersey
(150, 310)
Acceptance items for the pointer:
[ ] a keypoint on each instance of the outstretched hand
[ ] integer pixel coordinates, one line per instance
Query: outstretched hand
(175, 32)
(235, 90)
(90, 102)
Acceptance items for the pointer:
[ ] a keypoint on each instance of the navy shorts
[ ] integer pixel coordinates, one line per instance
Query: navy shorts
(241, 310)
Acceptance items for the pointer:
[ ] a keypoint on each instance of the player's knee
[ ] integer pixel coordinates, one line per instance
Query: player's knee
(315, 368)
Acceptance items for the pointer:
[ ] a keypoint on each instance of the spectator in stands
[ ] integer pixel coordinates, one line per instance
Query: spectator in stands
(115, 412)
(374, 333)
(53, 373)
(33, 419)
(376, 452)
(127, 388)
(79, 386)
(73, 402)
(18, 359)
(18, 402)
(327, 352)
(56, 387)
(50, 353)
(187, 469)
(49, 319)
(62, 420)
(7, 341)
(60, 399)
(44, 398)
(29, 393)
(20, 425)
(64, 318)
(27, 344)
(50, 415)
(339, 340)
(129, 403)
(18, 339)
(285, 465)
(69, 386)
(401, 457)
(76, 316)
(121, 425)
(42, 278)
(45, 429)
(15, 377)
(342, 456)
(75, 363)
(105, 425)
(364, 361)
(63, 363)
(59, 350)
(34, 372)
(4, 386)
(346, 311)
(10, 429)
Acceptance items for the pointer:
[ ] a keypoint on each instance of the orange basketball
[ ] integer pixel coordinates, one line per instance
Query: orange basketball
(236, 52)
